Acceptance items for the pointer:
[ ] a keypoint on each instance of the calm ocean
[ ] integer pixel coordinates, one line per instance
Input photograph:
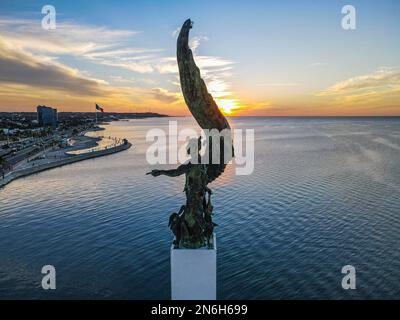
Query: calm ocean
(325, 192)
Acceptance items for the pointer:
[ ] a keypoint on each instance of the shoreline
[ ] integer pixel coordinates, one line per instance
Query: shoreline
(61, 162)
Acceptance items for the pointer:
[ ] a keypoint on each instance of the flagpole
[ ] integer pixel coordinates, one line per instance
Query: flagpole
(96, 114)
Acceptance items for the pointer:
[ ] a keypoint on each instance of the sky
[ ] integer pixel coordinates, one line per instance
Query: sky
(258, 58)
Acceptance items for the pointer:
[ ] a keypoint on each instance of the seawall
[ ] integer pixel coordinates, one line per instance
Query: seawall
(28, 171)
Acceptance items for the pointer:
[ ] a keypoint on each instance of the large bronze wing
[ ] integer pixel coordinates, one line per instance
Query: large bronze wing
(201, 104)
(199, 101)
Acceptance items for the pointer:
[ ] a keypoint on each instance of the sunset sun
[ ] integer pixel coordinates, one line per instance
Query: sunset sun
(219, 89)
(227, 106)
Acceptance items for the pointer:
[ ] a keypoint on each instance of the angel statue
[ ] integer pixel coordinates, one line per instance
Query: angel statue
(192, 226)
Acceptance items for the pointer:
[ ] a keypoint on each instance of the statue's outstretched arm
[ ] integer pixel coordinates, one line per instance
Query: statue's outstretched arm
(170, 173)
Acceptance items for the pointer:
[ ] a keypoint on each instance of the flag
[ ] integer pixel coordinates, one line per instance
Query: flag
(99, 108)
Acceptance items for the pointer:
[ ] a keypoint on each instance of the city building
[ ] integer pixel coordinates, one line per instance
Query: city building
(47, 116)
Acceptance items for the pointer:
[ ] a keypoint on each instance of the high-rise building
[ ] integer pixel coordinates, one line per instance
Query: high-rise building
(47, 116)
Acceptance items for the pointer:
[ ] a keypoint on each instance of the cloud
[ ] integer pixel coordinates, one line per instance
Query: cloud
(100, 45)
(316, 64)
(195, 42)
(175, 33)
(68, 38)
(138, 60)
(381, 79)
(165, 96)
(22, 68)
(31, 68)
(139, 67)
(210, 62)
(218, 88)
(375, 93)
(370, 97)
(207, 65)
(269, 108)
(279, 84)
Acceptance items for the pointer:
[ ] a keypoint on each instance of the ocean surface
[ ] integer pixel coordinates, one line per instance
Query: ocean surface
(325, 193)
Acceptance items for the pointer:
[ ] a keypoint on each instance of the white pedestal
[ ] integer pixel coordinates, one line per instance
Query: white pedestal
(194, 273)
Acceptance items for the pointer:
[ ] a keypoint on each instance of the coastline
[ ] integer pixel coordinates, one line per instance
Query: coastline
(68, 159)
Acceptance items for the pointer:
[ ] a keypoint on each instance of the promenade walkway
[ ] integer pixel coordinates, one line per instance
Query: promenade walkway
(59, 158)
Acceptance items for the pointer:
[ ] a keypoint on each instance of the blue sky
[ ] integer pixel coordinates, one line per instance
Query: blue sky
(257, 57)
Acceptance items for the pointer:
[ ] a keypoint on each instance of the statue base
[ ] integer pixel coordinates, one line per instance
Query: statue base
(194, 273)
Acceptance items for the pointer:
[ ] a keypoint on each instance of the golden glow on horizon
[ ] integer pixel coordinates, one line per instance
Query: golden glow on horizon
(227, 106)
(219, 89)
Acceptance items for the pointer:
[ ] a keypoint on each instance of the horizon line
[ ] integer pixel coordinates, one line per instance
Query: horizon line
(227, 115)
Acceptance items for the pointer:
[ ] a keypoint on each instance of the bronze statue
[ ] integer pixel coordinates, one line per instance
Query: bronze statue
(192, 226)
